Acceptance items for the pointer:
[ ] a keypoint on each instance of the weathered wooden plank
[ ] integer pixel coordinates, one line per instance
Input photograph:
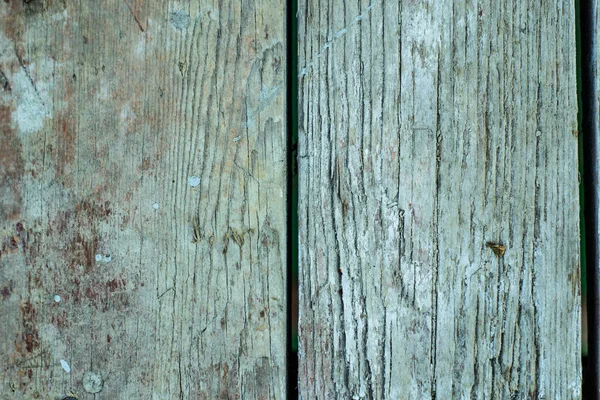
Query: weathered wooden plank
(142, 153)
(438, 200)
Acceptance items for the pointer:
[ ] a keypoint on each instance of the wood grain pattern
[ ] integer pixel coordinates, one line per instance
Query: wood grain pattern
(142, 160)
(432, 134)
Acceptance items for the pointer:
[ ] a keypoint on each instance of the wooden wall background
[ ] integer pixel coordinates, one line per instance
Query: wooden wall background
(143, 199)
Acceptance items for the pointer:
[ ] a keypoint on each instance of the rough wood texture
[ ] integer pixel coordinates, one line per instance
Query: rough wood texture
(142, 153)
(427, 130)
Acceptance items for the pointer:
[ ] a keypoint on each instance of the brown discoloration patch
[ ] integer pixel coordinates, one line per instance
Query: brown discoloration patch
(224, 381)
(73, 239)
(82, 251)
(9, 245)
(66, 139)
(15, 241)
(60, 319)
(92, 294)
(11, 168)
(100, 295)
(146, 164)
(77, 228)
(30, 336)
(115, 284)
(12, 24)
(7, 290)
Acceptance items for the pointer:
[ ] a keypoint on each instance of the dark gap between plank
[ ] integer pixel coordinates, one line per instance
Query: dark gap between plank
(292, 197)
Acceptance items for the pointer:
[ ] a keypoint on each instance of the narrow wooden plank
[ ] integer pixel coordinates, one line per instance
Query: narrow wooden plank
(142, 153)
(438, 200)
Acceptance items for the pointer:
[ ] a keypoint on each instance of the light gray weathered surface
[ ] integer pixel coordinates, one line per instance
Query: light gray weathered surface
(429, 129)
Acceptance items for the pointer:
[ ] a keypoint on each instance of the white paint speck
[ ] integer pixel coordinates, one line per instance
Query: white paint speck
(235, 139)
(107, 258)
(65, 365)
(57, 298)
(98, 257)
(193, 181)
(155, 205)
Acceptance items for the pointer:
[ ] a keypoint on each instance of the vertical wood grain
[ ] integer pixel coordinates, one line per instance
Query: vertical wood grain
(142, 189)
(438, 200)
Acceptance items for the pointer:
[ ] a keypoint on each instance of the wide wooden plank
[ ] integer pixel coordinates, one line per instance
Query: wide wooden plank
(142, 189)
(438, 200)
